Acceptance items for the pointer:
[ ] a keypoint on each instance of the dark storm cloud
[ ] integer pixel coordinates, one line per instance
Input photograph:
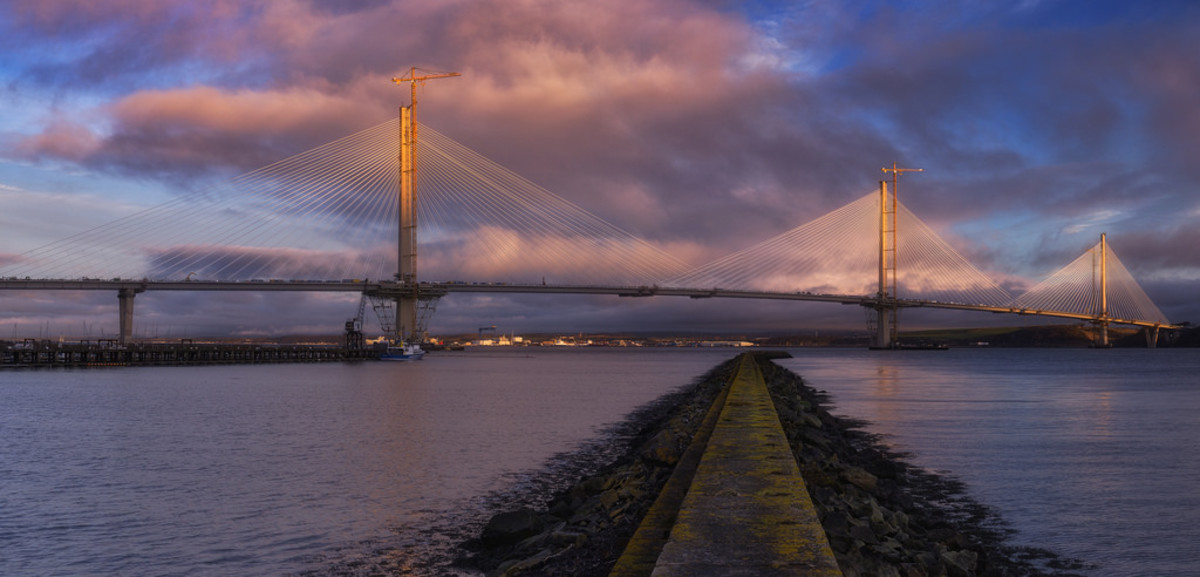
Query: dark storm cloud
(1164, 252)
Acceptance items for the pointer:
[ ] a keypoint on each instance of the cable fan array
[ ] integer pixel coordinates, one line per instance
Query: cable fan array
(839, 254)
(830, 255)
(331, 213)
(480, 220)
(1076, 287)
(322, 214)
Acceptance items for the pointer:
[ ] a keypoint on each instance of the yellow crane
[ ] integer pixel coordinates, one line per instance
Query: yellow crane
(413, 79)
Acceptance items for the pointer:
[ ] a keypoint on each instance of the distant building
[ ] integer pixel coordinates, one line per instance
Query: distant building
(725, 344)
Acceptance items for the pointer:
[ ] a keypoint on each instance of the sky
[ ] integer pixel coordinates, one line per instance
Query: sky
(707, 126)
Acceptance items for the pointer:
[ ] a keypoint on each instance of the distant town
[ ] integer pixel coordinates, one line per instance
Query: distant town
(1071, 335)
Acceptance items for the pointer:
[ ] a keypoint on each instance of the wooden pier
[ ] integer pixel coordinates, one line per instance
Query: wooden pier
(33, 353)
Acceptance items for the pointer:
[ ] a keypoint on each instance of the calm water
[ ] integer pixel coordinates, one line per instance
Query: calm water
(277, 470)
(274, 470)
(1090, 453)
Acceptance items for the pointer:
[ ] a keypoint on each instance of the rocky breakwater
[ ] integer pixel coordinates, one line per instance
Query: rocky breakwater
(882, 516)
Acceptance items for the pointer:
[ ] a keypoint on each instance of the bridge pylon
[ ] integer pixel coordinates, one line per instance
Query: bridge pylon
(406, 258)
(885, 333)
(1101, 289)
(410, 301)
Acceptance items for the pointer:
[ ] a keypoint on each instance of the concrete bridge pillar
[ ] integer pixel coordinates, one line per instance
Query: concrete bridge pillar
(1102, 340)
(1151, 337)
(125, 298)
(406, 303)
(406, 318)
(884, 327)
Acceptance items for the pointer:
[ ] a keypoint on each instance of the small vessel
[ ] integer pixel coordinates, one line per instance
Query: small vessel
(402, 352)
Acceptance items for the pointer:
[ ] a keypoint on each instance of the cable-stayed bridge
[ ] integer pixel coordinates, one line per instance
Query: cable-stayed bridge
(345, 216)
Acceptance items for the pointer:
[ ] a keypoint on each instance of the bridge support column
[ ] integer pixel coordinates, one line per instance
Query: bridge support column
(406, 319)
(406, 259)
(883, 333)
(1151, 337)
(125, 298)
(1102, 335)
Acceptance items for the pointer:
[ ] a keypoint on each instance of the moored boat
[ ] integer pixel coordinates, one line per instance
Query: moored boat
(402, 352)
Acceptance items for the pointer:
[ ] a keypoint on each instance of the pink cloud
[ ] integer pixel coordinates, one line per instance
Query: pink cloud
(232, 112)
(634, 88)
(206, 128)
(7, 259)
(61, 139)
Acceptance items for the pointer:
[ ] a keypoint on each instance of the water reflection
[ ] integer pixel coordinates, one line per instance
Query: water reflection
(886, 381)
(267, 470)
(1088, 452)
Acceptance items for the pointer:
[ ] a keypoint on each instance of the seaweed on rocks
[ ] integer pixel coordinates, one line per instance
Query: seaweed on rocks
(882, 516)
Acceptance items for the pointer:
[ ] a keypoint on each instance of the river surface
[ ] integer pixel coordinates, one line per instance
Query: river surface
(329, 469)
(1093, 454)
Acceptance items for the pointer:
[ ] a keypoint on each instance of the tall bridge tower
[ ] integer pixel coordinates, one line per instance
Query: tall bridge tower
(886, 308)
(408, 298)
(1101, 308)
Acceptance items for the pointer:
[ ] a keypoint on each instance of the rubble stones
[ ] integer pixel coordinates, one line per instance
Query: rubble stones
(882, 517)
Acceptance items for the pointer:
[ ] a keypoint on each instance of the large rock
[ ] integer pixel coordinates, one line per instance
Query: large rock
(511, 527)
(860, 478)
(960, 563)
(663, 448)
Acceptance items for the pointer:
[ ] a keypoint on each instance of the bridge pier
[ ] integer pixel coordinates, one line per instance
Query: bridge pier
(1151, 337)
(125, 300)
(406, 319)
(884, 337)
(1102, 335)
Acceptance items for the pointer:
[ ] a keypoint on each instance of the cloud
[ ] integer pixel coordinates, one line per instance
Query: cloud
(8, 259)
(193, 131)
(1170, 252)
(701, 126)
(1092, 220)
(62, 140)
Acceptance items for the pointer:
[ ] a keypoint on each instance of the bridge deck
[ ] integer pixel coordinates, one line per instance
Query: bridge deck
(747, 511)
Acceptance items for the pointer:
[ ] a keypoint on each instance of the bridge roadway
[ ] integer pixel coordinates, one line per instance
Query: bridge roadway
(388, 288)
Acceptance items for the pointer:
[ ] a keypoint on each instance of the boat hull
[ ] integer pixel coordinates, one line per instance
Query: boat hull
(405, 353)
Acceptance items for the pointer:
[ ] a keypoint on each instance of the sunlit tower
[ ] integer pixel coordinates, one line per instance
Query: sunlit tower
(1100, 292)
(886, 307)
(408, 326)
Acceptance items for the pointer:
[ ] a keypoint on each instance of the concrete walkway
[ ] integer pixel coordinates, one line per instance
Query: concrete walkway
(747, 511)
